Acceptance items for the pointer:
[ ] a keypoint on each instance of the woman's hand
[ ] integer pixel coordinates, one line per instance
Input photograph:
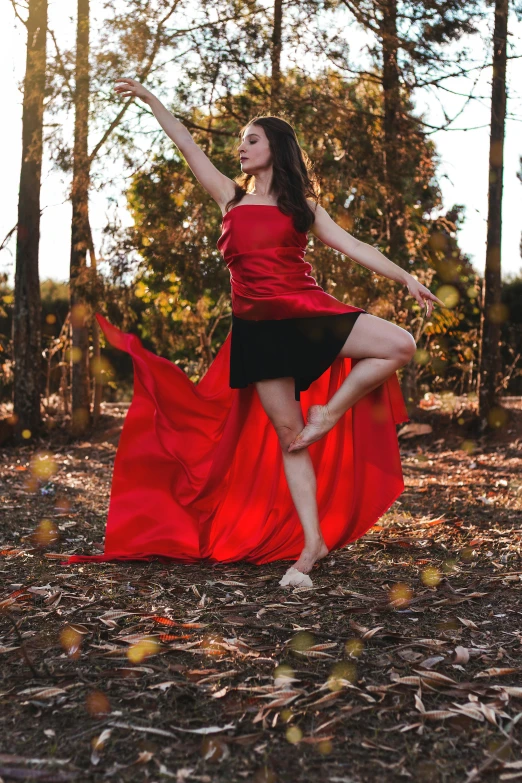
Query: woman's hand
(130, 87)
(422, 294)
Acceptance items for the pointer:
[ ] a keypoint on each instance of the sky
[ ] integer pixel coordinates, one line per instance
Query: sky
(462, 151)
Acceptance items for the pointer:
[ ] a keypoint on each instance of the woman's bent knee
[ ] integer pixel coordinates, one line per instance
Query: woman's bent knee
(287, 433)
(406, 347)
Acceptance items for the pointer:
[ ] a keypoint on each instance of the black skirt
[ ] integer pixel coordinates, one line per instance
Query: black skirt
(302, 348)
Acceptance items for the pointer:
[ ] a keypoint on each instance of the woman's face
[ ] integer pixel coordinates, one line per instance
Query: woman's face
(254, 150)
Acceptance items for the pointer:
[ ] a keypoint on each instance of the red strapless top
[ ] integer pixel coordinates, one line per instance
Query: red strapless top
(269, 276)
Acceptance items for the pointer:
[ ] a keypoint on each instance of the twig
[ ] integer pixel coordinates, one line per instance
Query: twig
(22, 645)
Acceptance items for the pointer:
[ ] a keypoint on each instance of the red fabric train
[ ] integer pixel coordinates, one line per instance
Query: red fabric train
(199, 474)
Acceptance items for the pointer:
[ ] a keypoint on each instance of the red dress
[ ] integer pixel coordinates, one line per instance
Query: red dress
(198, 472)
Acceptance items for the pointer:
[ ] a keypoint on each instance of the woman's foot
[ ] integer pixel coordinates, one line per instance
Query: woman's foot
(297, 574)
(310, 555)
(319, 421)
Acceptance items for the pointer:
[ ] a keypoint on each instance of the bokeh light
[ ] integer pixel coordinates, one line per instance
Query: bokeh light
(431, 576)
(449, 566)
(283, 674)
(400, 595)
(97, 704)
(449, 295)
(213, 749)
(79, 313)
(354, 647)
(101, 369)
(80, 418)
(497, 418)
(26, 434)
(342, 672)
(71, 640)
(73, 354)
(62, 505)
(467, 554)
(50, 318)
(498, 313)
(294, 735)
(143, 649)
(302, 641)
(45, 534)
(43, 465)
(468, 446)
(421, 356)
(325, 747)
(212, 644)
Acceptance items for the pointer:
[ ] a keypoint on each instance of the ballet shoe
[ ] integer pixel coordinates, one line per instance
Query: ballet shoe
(295, 578)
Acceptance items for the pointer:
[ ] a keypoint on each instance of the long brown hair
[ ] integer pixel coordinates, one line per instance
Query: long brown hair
(293, 175)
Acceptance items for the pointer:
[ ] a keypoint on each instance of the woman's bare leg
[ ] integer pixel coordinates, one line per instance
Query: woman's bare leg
(278, 400)
(381, 348)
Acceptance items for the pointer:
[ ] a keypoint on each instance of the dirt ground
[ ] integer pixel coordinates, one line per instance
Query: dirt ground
(403, 661)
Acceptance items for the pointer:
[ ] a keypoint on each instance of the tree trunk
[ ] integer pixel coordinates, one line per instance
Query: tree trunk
(393, 134)
(27, 339)
(96, 353)
(492, 311)
(79, 274)
(276, 57)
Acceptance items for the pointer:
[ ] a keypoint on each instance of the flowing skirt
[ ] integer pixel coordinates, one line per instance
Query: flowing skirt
(199, 474)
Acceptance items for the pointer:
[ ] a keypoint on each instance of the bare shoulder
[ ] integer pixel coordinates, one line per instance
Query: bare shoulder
(321, 216)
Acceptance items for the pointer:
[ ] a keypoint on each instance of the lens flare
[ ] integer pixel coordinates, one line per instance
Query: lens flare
(467, 554)
(431, 576)
(282, 674)
(46, 533)
(421, 356)
(79, 313)
(294, 735)
(143, 649)
(449, 295)
(497, 418)
(212, 644)
(400, 595)
(468, 446)
(354, 647)
(71, 641)
(213, 749)
(101, 369)
(341, 673)
(325, 747)
(302, 641)
(97, 704)
(43, 465)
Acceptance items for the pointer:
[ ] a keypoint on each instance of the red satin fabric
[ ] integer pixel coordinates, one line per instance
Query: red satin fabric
(268, 274)
(199, 474)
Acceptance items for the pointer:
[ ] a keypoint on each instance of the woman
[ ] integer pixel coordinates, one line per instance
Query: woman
(288, 337)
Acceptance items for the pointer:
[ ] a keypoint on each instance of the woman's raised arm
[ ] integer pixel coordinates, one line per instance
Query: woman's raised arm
(219, 186)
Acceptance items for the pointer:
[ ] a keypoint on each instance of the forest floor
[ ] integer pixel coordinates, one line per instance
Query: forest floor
(403, 661)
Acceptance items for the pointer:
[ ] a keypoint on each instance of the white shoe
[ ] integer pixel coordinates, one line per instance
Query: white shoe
(295, 578)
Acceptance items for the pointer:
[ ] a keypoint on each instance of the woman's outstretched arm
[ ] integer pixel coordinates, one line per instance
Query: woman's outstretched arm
(219, 186)
(333, 235)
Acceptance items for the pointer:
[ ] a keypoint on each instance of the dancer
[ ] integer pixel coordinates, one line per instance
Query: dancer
(228, 469)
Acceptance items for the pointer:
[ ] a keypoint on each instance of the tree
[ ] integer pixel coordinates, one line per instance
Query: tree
(80, 232)
(27, 305)
(493, 312)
